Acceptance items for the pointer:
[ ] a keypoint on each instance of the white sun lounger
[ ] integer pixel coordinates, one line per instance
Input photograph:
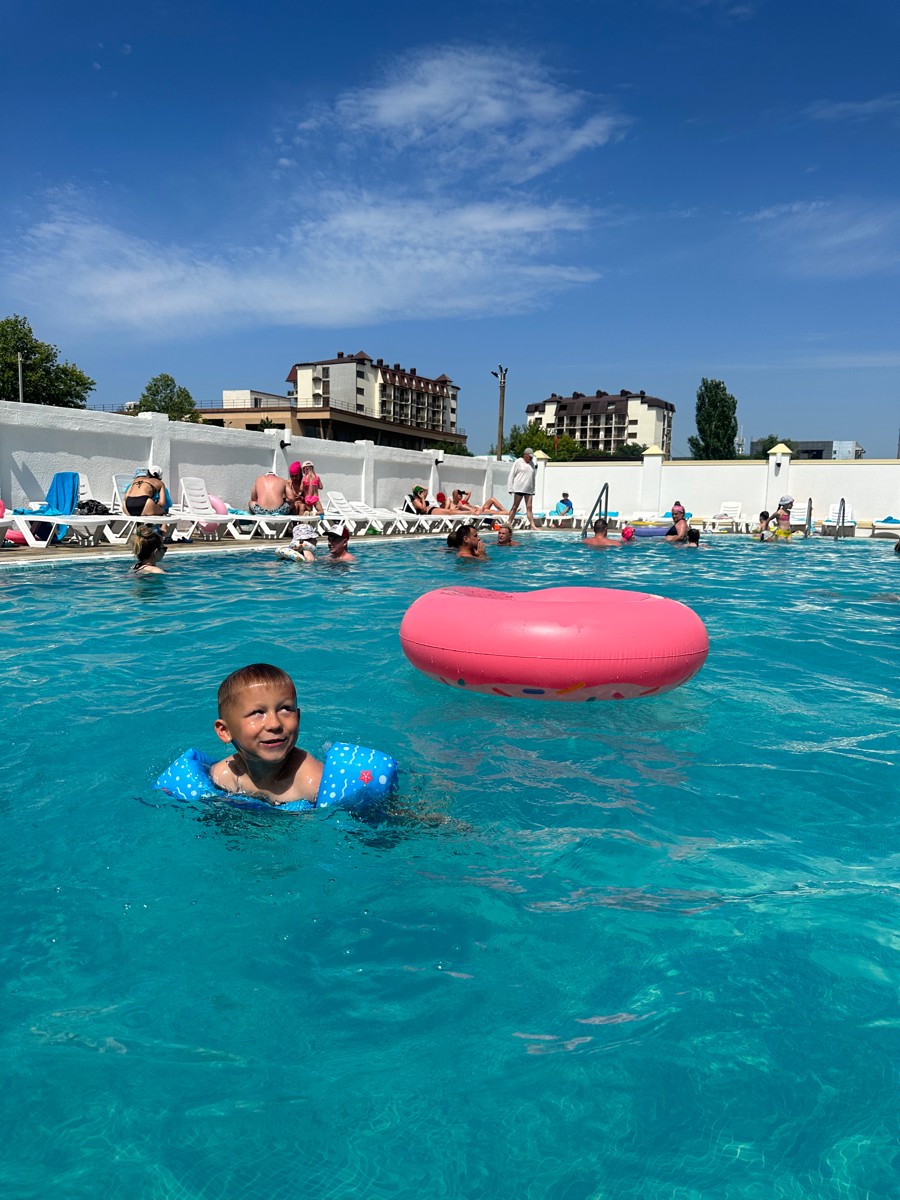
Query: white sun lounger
(340, 511)
(196, 507)
(383, 519)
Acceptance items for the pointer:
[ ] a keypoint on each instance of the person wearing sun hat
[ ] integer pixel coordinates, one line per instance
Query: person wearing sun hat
(310, 486)
(782, 517)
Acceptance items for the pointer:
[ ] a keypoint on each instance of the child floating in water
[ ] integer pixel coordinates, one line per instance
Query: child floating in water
(303, 540)
(258, 714)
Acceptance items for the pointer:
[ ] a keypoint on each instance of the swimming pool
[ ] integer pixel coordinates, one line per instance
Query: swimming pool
(653, 954)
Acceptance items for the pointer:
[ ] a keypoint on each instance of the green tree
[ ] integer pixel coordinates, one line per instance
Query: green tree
(45, 380)
(765, 445)
(561, 449)
(451, 448)
(716, 420)
(163, 395)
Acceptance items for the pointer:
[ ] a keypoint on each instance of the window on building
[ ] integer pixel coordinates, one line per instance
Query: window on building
(360, 391)
(326, 372)
(360, 373)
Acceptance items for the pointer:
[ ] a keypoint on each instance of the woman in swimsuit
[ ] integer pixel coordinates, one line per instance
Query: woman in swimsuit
(149, 549)
(462, 503)
(146, 494)
(679, 530)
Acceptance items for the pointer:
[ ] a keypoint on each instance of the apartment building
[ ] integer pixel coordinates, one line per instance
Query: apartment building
(606, 422)
(349, 398)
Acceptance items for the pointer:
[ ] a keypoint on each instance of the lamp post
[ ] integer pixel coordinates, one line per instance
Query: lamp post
(500, 374)
(21, 389)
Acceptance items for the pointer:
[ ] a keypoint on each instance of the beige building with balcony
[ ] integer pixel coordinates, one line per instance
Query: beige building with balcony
(607, 422)
(349, 398)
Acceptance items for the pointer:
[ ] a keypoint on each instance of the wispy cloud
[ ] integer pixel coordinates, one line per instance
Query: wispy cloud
(329, 251)
(831, 239)
(467, 109)
(855, 111)
(357, 259)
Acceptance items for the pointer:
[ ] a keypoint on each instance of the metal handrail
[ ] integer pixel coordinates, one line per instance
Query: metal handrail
(807, 528)
(602, 499)
(841, 514)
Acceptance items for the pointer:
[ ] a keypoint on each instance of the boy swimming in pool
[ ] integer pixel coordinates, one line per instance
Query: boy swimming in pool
(258, 714)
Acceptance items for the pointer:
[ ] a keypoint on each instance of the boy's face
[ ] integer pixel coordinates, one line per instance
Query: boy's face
(262, 721)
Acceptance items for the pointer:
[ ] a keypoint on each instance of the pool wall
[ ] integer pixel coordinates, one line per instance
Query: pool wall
(36, 441)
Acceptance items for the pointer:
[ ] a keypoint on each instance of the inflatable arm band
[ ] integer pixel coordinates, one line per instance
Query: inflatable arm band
(352, 776)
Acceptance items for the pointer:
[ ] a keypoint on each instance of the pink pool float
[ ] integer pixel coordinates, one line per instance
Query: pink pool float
(569, 643)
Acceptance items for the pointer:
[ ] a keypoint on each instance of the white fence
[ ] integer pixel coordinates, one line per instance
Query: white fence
(36, 441)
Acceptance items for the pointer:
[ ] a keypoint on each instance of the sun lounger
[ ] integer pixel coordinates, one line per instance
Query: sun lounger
(847, 525)
(887, 527)
(339, 511)
(195, 506)
(383, 519)
(729, 519)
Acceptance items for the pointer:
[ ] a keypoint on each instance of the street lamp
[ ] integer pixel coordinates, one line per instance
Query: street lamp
(500, 374)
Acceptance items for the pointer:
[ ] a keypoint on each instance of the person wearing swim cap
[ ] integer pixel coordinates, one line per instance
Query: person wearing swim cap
(627, 535)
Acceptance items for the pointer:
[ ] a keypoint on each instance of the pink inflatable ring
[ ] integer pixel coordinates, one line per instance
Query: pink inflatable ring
(570, 643)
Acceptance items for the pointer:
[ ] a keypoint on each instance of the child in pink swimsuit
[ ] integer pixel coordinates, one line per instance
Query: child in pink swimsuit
(310, 484)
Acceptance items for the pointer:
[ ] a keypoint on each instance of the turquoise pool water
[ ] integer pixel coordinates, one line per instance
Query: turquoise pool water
(653, 954)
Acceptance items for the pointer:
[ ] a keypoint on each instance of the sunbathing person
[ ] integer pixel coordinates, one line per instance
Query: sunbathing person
(149, 550)
(269, 496)
(417, 502)
(146, 494)
(461, 502)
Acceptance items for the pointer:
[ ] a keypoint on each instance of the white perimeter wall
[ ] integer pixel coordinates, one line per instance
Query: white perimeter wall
(36, 441)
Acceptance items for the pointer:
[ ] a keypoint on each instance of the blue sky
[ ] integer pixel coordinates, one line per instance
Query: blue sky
(633, 193)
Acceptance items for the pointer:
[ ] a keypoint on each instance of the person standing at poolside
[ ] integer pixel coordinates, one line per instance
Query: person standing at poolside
(269, 496)
(521, 484)
(310, 485)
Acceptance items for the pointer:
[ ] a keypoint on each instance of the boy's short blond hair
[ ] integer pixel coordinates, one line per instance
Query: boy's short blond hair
(245, 677)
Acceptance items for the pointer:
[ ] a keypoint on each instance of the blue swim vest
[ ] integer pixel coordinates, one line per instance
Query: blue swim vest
(352, 776)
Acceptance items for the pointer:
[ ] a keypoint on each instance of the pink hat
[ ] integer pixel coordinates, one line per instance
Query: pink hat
(295, 468)
(627, 533)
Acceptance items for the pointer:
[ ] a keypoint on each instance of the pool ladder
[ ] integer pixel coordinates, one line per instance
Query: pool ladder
(600, 509)
(807, 524)
(841, 514)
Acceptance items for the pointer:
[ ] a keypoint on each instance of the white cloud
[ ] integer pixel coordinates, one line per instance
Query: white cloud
(471, 109)
(855, 111)
(831, 239)
(357, 259)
